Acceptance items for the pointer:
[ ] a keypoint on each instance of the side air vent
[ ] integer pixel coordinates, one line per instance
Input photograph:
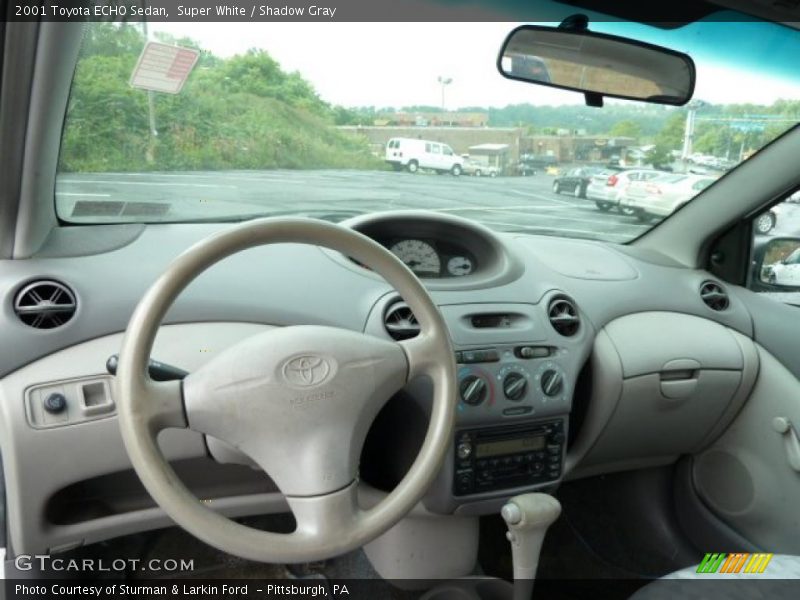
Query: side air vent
(45, 304)
(714, 296)
(399, 322)
(563, 316)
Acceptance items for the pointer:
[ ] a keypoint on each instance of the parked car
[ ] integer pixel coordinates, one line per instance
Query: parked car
(786, 271)
(575, 181)
(538, 161)
(661, 196)
(766, 221)
(480, 169)
(701, 159)
(605, 187)
(526, 167)
(414, 154)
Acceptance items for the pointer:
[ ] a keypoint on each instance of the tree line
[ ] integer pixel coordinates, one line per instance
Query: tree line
(242, 112)
(246, 112)
(721, 130)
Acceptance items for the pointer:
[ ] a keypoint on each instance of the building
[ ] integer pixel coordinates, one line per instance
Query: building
(433, 119)
(500, 146)
(493, 155)
(577, 148)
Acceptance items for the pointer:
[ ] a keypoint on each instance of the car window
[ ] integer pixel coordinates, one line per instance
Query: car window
(775, 252)
(260, 118)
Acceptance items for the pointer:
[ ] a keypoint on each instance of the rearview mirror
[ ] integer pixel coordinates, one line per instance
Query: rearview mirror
(598, 65)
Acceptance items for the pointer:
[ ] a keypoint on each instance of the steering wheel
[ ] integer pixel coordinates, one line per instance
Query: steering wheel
(297, 400)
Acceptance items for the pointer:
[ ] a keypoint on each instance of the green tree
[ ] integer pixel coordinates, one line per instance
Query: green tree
(659, 156)
(626, 128)
(242, 112)
(671, 134)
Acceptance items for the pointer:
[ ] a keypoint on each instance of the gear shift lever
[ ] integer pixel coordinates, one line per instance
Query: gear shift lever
(528, 516)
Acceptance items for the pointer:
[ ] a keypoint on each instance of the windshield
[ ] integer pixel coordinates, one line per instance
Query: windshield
(340, 119)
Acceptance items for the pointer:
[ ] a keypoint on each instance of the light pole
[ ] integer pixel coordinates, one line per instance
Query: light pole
(688, 133)
(444, 82)
(151, 110)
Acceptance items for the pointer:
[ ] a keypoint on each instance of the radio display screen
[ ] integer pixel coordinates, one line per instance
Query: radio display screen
(512, 446)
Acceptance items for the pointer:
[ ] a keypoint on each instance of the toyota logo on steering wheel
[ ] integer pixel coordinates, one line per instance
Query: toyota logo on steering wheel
(306, 370)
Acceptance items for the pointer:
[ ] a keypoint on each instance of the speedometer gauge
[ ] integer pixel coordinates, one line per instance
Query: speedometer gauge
(459, 265)
(418, 256)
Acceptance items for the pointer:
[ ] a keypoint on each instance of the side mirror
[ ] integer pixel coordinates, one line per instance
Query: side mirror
(777, 265)
(597, 64)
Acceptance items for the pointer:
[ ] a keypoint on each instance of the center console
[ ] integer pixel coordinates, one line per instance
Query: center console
(517, 365)
(511, 425)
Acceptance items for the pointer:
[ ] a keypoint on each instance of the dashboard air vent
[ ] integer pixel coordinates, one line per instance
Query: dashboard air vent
(563, 316)
(399, 322)
(45, 304)
(714, 296)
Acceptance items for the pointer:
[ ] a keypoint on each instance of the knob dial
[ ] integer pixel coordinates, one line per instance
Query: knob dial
(514, 386)
(552, 382)
(464, 450)
(473, 390)
(55, 403)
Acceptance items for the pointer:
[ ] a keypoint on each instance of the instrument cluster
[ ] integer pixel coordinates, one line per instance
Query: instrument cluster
(431, 258)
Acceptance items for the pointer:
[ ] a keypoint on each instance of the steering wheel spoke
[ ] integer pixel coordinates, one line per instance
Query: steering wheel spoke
(329, 516)
(423, 355)
(165, 404)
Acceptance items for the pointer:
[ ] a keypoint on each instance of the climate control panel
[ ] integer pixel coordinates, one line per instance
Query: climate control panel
(512, 381)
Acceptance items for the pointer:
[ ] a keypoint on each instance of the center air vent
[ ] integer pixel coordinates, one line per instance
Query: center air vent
(563, 316)
(45, 304)
(399, 322)
(714, 296)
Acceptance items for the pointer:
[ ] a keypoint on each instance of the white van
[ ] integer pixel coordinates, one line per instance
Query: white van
(414, 154)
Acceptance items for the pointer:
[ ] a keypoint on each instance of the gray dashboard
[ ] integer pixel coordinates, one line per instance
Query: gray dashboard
(505, 321)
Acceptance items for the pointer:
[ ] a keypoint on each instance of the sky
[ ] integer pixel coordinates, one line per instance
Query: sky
(398, 64)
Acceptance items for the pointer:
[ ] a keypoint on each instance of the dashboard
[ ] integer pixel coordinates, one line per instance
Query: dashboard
(566, 354)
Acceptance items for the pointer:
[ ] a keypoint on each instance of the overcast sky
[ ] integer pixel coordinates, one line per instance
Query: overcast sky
(397, 64)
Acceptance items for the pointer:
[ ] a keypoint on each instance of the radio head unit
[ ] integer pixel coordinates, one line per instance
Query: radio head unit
(498, 458)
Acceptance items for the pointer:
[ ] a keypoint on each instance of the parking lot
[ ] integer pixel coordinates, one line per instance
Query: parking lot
(525, 204)
(504, 203)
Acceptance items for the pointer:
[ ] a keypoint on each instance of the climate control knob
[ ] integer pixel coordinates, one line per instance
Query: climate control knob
(473, 390)
(552, 382)
(514, 386)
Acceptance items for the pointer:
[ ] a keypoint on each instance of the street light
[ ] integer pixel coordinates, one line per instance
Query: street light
(688, 133)
(444, 82)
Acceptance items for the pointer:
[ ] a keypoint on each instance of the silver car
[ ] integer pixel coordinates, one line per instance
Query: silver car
(606, 188)
(480, 169)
